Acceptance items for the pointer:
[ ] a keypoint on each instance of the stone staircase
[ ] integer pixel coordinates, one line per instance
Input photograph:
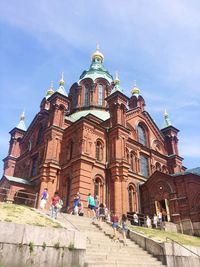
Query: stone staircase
(102, 250)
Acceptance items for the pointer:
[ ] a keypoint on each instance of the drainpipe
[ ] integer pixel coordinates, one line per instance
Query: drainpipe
(139, 198)
(107, 170)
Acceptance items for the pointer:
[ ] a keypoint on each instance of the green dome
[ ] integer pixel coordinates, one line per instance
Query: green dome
(96, 69)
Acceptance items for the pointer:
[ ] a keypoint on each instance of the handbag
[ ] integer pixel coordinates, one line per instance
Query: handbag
(58, 206)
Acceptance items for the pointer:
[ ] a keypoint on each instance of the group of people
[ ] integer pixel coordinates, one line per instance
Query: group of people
(153, 222)
(56, 202)
(94, 208)
(124, 226)
(100, 212)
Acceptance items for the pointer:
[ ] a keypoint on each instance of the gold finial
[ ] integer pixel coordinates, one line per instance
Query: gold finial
(22, 116)
(166, 114)
(116, 80)
(167, 121)
(97, 54)
(135, 90)
(50, 91)
(62, 82)
(98, 47)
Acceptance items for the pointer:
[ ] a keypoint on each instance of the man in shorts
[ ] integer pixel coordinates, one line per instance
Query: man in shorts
(91, 205)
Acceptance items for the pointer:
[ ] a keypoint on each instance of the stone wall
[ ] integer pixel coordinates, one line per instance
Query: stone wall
(171, 254)
(154, 248)
(189, 228)
(25, 245)
(177, 255)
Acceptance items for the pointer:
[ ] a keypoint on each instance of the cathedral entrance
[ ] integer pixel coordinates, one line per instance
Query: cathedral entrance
(163, 206)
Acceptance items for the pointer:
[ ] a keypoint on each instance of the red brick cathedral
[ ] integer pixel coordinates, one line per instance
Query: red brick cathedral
(96, 140)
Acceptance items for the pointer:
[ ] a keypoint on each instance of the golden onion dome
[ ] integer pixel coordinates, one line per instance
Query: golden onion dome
(97, 55)
(50, 91)
(116, 80)
(62, 82)
(135, 90)
(165, 113)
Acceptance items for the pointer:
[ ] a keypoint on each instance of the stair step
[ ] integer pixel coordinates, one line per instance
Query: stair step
(102, 251)
(120, 264)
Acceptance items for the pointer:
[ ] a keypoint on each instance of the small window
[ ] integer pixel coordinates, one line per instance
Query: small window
(144, 166)
(99, 151)
(100, 98)
(141, 136)
(132, 162)
(87, 91)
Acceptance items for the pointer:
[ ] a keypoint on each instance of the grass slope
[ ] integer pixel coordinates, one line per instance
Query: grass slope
(24, 215)
(161, 236)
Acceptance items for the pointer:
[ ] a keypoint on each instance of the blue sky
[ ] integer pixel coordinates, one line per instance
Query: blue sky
(155, 43)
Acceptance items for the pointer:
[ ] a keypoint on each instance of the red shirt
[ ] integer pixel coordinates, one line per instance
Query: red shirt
(55, 200)
(114, 219)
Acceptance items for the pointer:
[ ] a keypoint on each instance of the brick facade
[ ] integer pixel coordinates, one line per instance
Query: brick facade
(95, 140)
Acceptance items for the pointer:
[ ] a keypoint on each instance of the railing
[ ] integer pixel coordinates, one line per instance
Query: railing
(141, 218)
(173, 241)
(18, 197)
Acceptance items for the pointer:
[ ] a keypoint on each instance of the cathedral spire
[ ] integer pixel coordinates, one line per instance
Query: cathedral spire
(50, 91)
(61, 88)
(167, 121)
(21, 124)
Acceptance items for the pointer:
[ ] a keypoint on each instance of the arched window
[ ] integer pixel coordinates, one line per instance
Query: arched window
(141, 136)
(99, 150)
(132, 198)
(100, 97)
(87, 92)
(98, 189)
(133, 167)
(144, 166)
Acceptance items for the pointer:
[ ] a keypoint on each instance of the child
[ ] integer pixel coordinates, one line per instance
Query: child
(115, 221)
(44, 198)
(101, 214)
(148, 222)
(55, 205)
(124, 221)
(80, 209)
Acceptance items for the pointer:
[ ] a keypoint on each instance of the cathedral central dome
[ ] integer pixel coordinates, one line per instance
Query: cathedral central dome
(96, 69)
